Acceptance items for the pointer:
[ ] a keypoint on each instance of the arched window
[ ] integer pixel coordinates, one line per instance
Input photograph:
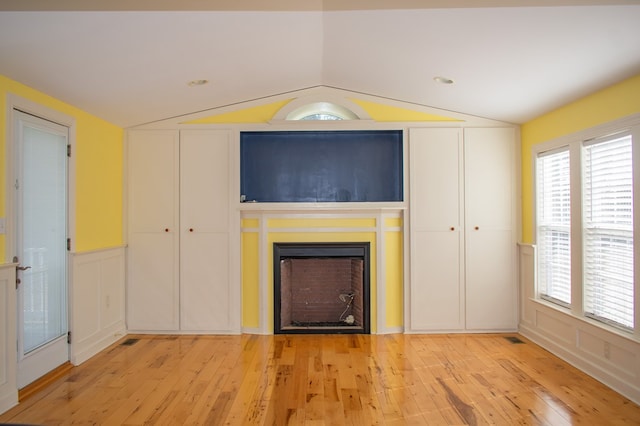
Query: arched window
(322, 111)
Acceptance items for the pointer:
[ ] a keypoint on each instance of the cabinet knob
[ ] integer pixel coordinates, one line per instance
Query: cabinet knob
(453, 228)
(190, 229)
(477, 228)
(166, 229)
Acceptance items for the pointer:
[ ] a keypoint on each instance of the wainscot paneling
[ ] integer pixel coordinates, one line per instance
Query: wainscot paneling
(98, 301)
(606, 354)
(8, 383)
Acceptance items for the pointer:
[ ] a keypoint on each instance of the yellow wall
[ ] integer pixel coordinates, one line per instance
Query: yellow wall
(394, 265)
(250, 278)
(99, 170)
(614, 102)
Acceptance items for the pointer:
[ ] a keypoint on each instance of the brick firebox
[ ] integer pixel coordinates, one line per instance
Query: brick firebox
(321, 288)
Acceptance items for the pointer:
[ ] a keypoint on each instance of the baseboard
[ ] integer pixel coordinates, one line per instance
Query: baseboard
(44, 381)
(598, 372)
(90, 347)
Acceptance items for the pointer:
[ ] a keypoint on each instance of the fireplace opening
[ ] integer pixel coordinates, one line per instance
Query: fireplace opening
(321, 288)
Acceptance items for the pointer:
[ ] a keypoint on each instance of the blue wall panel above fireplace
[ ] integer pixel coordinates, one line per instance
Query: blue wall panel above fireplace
(321, 166)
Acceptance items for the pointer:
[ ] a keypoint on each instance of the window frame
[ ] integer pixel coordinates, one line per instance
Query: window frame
(539, 293)
(575, 143)
(608, 232)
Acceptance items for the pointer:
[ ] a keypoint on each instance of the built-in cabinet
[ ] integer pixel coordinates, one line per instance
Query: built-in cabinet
(179, 232)
(462, 229)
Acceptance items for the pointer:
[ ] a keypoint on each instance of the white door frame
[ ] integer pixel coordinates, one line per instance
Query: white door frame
(13, 103)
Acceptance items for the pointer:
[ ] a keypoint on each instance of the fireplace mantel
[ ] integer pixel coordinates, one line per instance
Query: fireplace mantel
(379, 224)
(326, 208)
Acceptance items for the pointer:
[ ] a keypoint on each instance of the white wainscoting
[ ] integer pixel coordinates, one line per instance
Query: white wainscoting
(8, 348)
(97, 300)
(608, 355)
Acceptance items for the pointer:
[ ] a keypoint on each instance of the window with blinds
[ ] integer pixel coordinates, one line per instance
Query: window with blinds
(608, 230)
(554, 226)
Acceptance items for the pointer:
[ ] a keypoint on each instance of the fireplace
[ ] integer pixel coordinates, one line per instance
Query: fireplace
(321, 288)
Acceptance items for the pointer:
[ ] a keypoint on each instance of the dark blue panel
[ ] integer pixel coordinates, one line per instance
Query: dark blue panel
(321, 166)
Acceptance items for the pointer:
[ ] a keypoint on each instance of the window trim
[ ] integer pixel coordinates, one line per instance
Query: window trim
(575, 142)
(564, 149)
(587, 228)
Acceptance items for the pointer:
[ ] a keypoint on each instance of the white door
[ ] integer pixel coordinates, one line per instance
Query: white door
(436, 234)
(205, 303)
(153, 235)
(40, 173)
(491, 287)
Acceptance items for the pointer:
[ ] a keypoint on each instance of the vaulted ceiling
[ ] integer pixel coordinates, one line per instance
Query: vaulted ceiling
(129, 61)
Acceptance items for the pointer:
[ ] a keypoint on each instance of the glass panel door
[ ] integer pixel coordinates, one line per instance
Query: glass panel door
(41, 234)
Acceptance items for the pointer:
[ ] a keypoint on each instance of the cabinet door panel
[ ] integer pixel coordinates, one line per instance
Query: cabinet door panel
(489, 179)
(435, 197)
(204, 180)
(153, 234)
(434, 179)
(205, 301)
(152, 296)
(435, 281)
(491, 289)
(153, 175)
(491, 301)
(204, 282)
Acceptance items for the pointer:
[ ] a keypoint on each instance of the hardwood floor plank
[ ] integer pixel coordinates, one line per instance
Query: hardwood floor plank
(325, 380)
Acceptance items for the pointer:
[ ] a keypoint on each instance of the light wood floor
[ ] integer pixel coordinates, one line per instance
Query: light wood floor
(325, 380)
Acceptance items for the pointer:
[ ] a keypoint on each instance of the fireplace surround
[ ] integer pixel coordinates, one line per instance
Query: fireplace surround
(321, 288)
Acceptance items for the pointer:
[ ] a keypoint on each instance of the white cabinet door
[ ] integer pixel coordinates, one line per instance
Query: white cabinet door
(436, 291)
(491, 290)
(152, 284)
(205, 302)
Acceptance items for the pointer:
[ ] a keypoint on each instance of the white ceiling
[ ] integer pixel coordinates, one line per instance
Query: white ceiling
(130, 65)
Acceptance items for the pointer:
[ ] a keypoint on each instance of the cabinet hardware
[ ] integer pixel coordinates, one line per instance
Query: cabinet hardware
(190, 229)
(166, 229)
(453, 228)
(477, 227)
(23, 268)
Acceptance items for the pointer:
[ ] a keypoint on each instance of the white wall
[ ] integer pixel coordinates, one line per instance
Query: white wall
(97, 301)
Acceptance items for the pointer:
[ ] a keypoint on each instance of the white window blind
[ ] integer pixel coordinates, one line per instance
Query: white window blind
(608, 231)
(553, 239)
